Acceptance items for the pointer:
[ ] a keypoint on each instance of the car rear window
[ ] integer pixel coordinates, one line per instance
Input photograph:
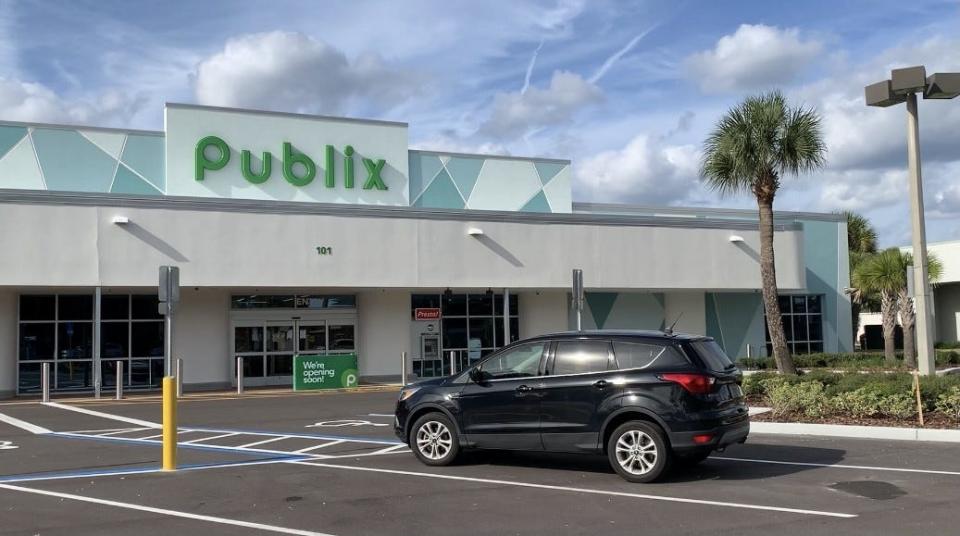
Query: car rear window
(578, 357)
(712, 355)
(631, 355)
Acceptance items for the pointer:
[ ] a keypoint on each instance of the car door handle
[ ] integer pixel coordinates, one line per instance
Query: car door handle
(600, 384)
(524, 389)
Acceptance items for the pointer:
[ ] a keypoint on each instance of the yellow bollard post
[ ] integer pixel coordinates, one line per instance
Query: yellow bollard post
(169, 423)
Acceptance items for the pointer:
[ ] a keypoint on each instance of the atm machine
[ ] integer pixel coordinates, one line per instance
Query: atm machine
(427, 356)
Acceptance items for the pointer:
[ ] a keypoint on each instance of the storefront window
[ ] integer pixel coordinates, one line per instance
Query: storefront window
(299, 301)
(802, 323)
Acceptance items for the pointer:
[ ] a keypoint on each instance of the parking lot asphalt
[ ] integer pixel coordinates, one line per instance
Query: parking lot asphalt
(330, 464)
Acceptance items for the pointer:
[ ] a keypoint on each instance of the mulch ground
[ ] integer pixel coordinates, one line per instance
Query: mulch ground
(930, 420)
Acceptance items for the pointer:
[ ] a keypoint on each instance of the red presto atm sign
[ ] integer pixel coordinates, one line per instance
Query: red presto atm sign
(426, 314)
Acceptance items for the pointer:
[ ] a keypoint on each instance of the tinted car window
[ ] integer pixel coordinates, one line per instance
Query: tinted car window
(576, 357)
(712, 355)
(642, 355)
(518, 362)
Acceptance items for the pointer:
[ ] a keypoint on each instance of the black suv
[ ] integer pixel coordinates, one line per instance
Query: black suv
(646, 399)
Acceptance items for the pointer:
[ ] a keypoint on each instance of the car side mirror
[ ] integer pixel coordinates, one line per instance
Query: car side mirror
(477, 375)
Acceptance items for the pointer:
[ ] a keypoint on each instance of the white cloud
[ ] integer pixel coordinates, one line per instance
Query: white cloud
(293, 72)
(33, 102)
(514, 114)
(753, 58)
(641, 172)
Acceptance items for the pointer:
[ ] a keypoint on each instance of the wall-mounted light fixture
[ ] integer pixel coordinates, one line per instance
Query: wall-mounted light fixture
(735, 238)
(121, 220)
(475, 231)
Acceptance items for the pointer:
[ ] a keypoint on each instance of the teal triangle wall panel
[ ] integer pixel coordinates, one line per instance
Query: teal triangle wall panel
(548, 170)
(464, 172)
(441, 194)
(423, 167)
(600, 303)
(71, 163)
(10, 136)
(145, 155)
(127, 182)
(537, 204)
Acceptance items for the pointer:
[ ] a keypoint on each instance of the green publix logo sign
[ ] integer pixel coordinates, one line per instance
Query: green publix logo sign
(374, 180)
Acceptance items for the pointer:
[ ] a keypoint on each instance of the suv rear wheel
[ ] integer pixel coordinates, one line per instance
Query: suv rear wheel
(638, 451)
(433, 439)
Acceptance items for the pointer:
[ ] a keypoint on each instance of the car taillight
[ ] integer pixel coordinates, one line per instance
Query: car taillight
(697, 384)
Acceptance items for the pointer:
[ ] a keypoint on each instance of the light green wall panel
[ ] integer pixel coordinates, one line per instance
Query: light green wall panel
(18, 168)
(464, 172)
(423, 168)
(10, 136)
(144, 154)
(441, 194)
(110, 142)
(636, 310)
(828, 274)
(548, 170)
(600, 305)
(735, 319)
(504, 185)
(71, 162)
(558, 192)
(127, 182)
(537, 204)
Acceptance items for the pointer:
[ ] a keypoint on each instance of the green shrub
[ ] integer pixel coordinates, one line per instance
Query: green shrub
(949, 345)
(803, 397)
(874, 401)
(949, 403)
(753, 383)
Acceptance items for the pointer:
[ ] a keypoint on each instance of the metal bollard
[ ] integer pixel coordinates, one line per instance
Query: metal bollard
(403, 368)
(453, 364)
(239, 375)
(179, 376)
(749, 351)
(45, 381)
(119, 393)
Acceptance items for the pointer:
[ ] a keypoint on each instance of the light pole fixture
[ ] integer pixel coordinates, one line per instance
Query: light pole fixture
(903, 86)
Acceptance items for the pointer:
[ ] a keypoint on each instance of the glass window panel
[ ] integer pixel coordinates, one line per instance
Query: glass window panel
(252, 366)
(248, 339)
(498, 304)
(34, 307)
(481, 330)
(454, 332)
(75, 340)
(787, 326)
(75, 307)
(156, 372)
(29, 377)
(279, 338)
(75, 375)
(256, 301)
(455, 305)
(816, 347)
(643, 355)
(312, 339)
(575, 357)
(799, 327)
(816, 327)
(279, 365)
(799, 304)
(342, 337)
(36, 341)
(140, 372)
(814, 304)
(145, 307)
(784, 303)
(114, 340)
(480, 305)
(146, 339)
(108, 373)
(424, 301)
(519, 362)
(115, 307)
(514, 305)
(514, 329)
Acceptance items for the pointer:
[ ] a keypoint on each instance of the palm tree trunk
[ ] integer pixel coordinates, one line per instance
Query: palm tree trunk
(768, 277)
(888, 317)
(908, 319)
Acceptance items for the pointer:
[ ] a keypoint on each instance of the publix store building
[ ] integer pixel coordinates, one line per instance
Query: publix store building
(303, 234)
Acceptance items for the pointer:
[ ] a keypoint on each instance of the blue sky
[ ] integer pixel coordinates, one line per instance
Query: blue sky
(626, 89)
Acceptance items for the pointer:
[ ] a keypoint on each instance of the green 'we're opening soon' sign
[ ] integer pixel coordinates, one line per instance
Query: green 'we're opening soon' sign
(312, 372)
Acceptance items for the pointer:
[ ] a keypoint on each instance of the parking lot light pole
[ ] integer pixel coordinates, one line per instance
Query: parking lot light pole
(903, 86)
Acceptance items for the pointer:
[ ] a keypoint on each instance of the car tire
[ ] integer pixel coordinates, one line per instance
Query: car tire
(433, 439)
(691, 459)
(638, 451)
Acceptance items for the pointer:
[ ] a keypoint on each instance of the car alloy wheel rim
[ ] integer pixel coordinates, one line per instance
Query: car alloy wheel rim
(434, 440)
(636, 452)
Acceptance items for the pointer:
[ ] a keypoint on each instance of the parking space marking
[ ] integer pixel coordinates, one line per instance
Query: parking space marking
(388, 450)
(103, 415)
(320, 446)
(121, 431)
(180, 432)
(380, 415)
(211, 438)
(166, 512)
(579, 490)
(838, 466)
(23, 425)
(144, 471)
(263, 442)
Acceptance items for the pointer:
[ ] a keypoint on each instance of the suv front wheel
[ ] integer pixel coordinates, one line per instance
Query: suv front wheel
(638, 451)
(433, 439)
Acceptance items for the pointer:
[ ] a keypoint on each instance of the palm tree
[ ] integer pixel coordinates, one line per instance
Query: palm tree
(861, 243)
(750, 149)
(886, 274)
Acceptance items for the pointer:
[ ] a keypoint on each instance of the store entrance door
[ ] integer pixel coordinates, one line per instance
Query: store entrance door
(267, 346)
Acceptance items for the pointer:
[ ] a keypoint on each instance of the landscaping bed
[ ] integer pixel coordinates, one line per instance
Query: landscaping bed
(873, 399)
(945, 358)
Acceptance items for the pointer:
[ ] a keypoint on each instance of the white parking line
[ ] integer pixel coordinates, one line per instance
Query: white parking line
(380, 415)
(320, 446)
(122, 431)
(388, 450)
(23, 425)
(580, 490)
(165, 512)
(211, 438)
(263, 442)
(102, 415)
(838, 466)
(180, 432)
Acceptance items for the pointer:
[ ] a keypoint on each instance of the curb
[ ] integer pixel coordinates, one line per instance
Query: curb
(856, 432)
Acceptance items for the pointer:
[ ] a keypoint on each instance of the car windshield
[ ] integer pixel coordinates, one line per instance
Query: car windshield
(712, 355)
